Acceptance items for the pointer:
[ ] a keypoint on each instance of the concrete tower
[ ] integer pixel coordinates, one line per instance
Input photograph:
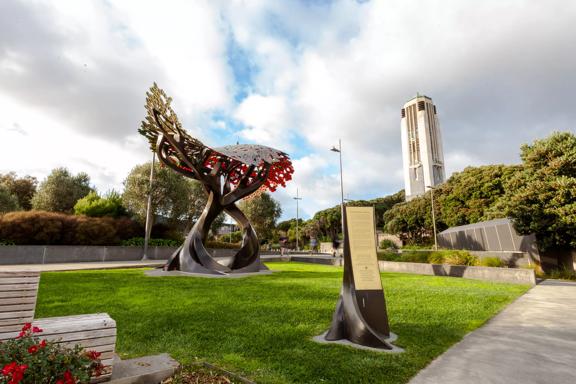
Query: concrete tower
(422, 152)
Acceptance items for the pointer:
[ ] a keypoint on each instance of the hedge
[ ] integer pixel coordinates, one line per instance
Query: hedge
(52, 228)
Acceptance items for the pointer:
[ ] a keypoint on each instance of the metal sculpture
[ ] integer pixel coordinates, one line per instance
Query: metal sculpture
(228, 174)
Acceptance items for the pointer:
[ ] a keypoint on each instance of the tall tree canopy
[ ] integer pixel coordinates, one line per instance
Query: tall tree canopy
(23, 188)
(8, 202)
(541, 198)
(60, 191)
(468, 196)
(175, 197)
(262, 211)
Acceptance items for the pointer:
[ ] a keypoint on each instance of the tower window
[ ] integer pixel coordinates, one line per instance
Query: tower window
(435, 110)
(421, 105)
(403, 113)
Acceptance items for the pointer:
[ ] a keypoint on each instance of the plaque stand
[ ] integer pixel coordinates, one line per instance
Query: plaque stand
(360, 316)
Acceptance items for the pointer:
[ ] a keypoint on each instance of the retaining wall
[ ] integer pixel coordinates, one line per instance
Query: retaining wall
(507, 275)
(47, 254)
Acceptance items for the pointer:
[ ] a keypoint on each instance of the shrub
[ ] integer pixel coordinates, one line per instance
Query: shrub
(562, 274)
(387, 244)
(221, 244)
(95, 206)
(234, 237)
(52, 228)
(414, 257)
(491, 262)
(29, 360)
(139, 242)
(460, 258)
(389, 256)
(436, 258)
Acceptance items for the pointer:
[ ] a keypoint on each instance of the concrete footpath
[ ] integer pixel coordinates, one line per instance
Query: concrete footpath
(532, 341)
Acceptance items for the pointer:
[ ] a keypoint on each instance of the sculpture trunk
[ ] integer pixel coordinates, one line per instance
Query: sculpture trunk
(193, 256)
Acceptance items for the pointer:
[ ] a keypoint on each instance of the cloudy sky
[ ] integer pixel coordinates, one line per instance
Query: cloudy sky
(295, 75)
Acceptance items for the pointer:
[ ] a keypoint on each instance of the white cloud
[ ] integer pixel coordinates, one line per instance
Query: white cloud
(267, 120)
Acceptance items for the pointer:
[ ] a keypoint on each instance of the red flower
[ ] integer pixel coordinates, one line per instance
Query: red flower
(42, 344)
(93, 355)
(33, 349)
(9, 368)
(36, 330)
(26, 327)
(16, 371)
(68, 378)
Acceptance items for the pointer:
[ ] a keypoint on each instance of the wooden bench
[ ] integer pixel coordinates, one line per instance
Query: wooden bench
(18, 293)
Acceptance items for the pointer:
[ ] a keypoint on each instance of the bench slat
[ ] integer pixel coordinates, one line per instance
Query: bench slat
(22, 293)
(20, 274)
(17, 300)
(19, 287)
(17, 307)
(18, 280)
(17, 314)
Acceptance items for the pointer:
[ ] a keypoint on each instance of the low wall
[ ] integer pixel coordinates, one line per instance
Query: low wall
(326, 260)
(47, 254)
(506, 275)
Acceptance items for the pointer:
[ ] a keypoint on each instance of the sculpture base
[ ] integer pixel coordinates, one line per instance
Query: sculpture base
(322, 340)
(162, 273)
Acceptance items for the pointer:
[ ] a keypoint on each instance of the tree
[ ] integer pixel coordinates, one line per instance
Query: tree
(262, 211)
(541, 198)
(23, 188)
(8, 202)
(60, 191)
(412, 221)
(469, 196)
(174, 196)
(95, 206)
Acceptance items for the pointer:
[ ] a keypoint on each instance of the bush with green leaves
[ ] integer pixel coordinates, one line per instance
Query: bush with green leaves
(29, 360)
(388, 244)
(95, 206)
(491, 262)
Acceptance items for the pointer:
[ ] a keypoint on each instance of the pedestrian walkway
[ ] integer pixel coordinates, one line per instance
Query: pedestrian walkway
(80, 266)
(532, 341)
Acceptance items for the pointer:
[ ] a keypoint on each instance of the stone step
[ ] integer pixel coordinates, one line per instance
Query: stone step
(143, 370)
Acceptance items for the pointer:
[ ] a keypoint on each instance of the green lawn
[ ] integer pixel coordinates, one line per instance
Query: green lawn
(261, 327)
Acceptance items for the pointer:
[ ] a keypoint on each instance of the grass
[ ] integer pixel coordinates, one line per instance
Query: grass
(261, 327)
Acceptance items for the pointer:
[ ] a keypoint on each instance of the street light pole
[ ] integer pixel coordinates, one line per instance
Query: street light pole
(339, 150)
(297, 233)
(148, 227)
(433, 216)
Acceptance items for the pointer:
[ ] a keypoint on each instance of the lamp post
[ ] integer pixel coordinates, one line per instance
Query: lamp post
(339, 151)
(148, 227)
(433, 216)
(297, 234)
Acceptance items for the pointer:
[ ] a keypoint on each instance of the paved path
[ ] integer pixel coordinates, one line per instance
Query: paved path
(532, 341)
(79, 266)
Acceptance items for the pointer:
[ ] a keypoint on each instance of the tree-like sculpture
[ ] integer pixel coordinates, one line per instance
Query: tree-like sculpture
(228, 174)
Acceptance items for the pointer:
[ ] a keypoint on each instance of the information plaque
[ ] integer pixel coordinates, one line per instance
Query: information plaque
(362, 236)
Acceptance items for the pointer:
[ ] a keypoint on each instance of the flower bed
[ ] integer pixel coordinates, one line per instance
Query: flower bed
(29, 360)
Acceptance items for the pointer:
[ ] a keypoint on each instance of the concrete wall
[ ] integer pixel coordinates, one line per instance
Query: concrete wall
(506, 275)
(46, 254)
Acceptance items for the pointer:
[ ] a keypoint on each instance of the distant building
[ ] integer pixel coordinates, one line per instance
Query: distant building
(422, 152)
